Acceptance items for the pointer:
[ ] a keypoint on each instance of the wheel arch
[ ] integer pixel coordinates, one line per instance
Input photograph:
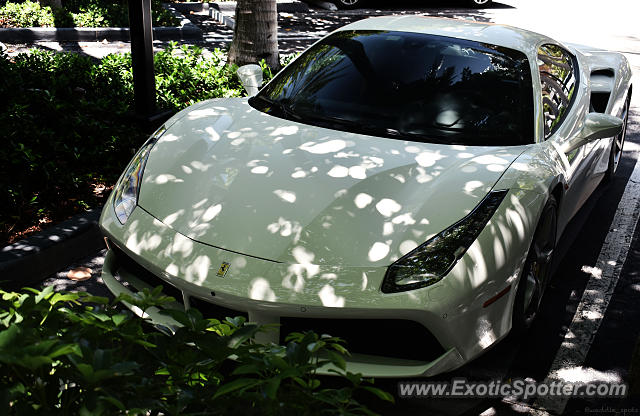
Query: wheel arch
(557, 191)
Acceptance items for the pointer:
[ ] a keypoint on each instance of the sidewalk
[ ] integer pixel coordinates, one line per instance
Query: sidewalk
(297, 30)
(215, 19)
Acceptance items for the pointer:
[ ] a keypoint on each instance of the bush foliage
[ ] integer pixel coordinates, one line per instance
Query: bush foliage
(76, 354)
(78, 13)
(27, 14)
(67, 124)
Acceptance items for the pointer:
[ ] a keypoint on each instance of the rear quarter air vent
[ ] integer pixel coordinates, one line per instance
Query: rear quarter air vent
(602, 81)
(599, 101)
(604, 72)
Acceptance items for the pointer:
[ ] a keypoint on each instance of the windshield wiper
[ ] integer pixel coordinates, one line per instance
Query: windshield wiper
(284, 110)
(340, 123)
(282, 107)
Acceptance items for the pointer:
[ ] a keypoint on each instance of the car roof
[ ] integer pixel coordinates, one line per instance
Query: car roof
(491, 33)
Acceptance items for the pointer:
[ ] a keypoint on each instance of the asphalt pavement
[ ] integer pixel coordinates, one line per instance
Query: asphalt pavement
(531, 356)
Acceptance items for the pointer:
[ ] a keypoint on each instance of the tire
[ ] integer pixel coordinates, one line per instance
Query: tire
(618, 143)
(479, 3)
(536, 272)
(348, 4)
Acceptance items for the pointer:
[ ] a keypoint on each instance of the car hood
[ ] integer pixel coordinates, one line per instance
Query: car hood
(235, 178)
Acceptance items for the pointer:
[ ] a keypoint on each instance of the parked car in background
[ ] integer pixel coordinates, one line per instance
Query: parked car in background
(355, 4)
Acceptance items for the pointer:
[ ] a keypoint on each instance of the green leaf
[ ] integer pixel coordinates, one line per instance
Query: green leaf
(119, 319)
(179, 316)
(117, 403)
(300, 381)
(246, 369)
(271, 387)
(18, 317)
(342, 350)
(243, 334)
(33, 362)
(102, 317)
(66, 349)
(44, 294)
(8, 336)
(145, 344)
(101, 300)
(238, 321)
(279, 362)
(63, 297)
(85, 369)
(127, 367)
(337, 359)
(315, 346)
(238, 384)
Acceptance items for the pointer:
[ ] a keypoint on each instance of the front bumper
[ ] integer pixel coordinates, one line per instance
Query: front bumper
(451, 312)
(119, 279)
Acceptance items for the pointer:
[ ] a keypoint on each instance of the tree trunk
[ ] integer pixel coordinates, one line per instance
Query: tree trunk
(255, 36)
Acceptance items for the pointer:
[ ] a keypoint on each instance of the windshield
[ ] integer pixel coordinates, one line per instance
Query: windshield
(410, 86)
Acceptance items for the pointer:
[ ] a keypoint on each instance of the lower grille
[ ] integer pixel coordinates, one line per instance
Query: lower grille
(131, 266)
(396, 338)
(208, 310)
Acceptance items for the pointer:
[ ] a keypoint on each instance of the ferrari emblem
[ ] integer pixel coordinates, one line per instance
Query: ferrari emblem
(224, 268)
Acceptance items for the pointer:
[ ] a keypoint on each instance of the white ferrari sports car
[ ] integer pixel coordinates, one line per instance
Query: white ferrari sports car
(401, 184)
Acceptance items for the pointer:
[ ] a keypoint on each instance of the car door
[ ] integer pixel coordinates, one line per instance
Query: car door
(559, 78)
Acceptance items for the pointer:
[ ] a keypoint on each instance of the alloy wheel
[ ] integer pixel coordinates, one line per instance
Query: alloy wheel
(618, 142)
(480, 3)
(537, 268)
(349, 4)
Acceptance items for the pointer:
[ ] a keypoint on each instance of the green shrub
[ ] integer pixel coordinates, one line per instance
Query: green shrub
(67, 124)
(72, 353)
(163, 16)
(79, 13)
(27, 14)
(91, 17)
(184, 78)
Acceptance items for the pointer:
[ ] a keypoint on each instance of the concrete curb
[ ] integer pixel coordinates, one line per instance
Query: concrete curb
(222, 17)
(186, 31)
(29, 261)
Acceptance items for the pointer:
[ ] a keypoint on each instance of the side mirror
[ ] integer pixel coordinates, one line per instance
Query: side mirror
(251, 78)
(596, 126)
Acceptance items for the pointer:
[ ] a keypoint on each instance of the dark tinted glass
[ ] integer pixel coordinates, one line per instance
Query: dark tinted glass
(409, 86)
(558, 79)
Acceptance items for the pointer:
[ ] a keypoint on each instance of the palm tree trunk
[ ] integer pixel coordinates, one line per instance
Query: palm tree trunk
(255, 36)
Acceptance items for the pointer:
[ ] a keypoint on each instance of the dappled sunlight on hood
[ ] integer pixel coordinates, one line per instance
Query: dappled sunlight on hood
(259, 289)
(241, 180)
(303, 279)
(322, 148)
(328, 297)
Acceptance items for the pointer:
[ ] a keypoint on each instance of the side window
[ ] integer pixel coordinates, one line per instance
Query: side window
(558, 76)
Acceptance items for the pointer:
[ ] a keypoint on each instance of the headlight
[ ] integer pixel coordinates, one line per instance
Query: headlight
(128, 187)
(432, 260)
